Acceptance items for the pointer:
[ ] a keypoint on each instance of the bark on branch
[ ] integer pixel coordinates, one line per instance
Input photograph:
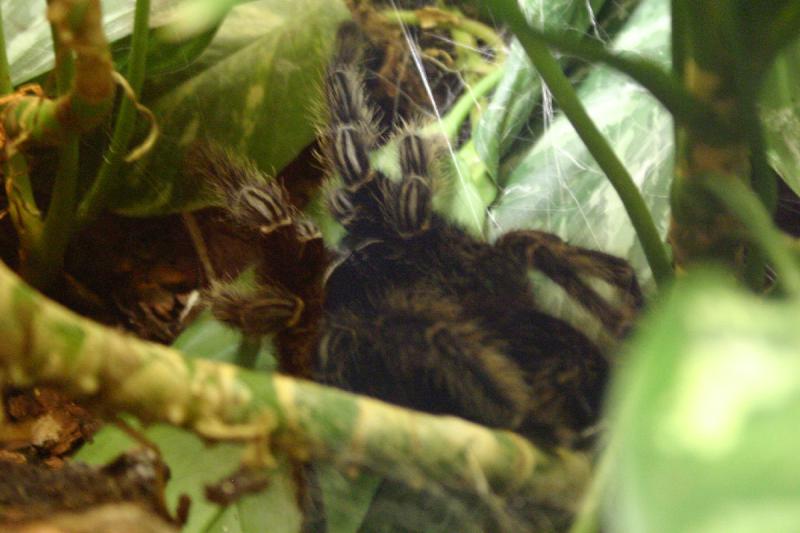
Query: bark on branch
(44, 343)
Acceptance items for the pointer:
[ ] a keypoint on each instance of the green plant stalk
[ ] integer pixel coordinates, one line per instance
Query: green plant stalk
(607, 160)
(784, 33)
(44, 343)
(6, 86)
(751, 212)
(452, 20)
(92, 95)
(45, 258)
(247, 353)
(762, 180)
(65, 62)
(724, 67)
(108, 176)
(450, 125)
(587, 519)
(22, 206)
(469, 62)
(764, 185)
(678, 36)
(685, 107)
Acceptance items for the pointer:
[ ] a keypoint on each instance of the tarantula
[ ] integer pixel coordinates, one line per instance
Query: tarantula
(412, 309)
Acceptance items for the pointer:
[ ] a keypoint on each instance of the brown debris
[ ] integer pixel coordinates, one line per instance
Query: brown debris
(41, 424)
(126, 495)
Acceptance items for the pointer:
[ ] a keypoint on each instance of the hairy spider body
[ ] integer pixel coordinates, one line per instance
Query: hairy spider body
(441, 322)
(413, 309)
(420, 313)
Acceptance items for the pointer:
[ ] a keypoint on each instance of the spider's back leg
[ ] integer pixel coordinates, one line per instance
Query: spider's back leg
(569, 266)
(414, 349)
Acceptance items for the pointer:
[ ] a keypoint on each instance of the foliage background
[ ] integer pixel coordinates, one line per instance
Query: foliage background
(704, 407)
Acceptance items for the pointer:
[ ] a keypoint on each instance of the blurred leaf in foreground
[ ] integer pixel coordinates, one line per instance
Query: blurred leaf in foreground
(704, 416)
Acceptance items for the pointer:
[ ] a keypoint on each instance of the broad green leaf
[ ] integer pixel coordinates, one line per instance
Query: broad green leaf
(468, 192)
(209, 338)
(780, 111)
(183, 451)
(508, 109)
(194, 17)
(27, 32)
(520, 89)
(704, 415)
(192, 465)
(262, 78)
(557, 186)
(272, 510)
(166, 62)
(347, 498)
(765, 28)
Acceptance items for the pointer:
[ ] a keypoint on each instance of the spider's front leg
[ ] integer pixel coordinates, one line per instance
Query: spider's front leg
(409, 204)
(286, 296)
(570, 266)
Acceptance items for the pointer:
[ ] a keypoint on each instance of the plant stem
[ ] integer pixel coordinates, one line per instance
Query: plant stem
(65, 61)
(451, 123)
(92, 96)
(756, 219)
(449, 19)
(22, 205)
(762, 179)
(46, 343)
(685, 107)
(46, 258)
(597, 145)
(587, 518)
(108, 175)
(5, 74)
(15, 169)
(247, 352)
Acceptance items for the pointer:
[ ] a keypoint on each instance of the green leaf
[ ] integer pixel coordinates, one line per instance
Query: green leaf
(704, 416)
(28, 39)
(194, 17)
(508, 110)
(780, 113)
(520, 89)
(167, 63)
(557, 187)
(262, 78)
(183, 451)
(347, 498)
(272, 510)
(209, 338)
(192, 465)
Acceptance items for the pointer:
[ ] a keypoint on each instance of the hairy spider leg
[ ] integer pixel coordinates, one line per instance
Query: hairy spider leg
(287, 297)
(463, 370)
(567, 265)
